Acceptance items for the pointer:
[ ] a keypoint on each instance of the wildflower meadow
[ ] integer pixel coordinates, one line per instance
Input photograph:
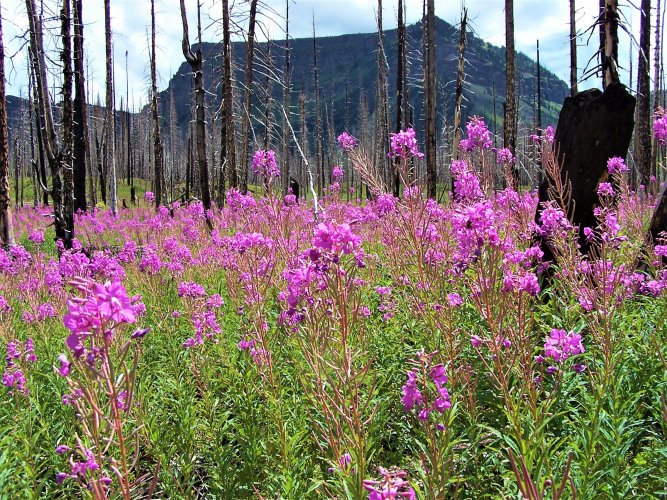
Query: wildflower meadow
(390, 347)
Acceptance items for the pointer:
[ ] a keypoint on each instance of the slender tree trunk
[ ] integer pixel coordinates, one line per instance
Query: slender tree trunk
(642, 152)
(381, 105)
(573, 49)
(6, 230)
(67, 125)
(510, 119)
(287, 98)
(657, 52)
(609, 41)
(196, 62)
(158, 150)
(247, 104)
(110, 117)
(228, 104)
(429, 97)
(459, 85)
(319, 166)
(400, 89)
(81, 146)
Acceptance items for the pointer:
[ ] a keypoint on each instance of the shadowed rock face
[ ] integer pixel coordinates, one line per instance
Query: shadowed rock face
(593, 126)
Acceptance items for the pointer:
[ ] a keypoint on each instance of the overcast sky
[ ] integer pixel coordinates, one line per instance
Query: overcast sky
(534, 19)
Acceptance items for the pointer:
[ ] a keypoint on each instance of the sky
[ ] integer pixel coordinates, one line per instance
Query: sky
(545, 20)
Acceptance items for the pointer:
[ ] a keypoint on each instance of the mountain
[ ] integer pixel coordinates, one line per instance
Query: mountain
(350, 62)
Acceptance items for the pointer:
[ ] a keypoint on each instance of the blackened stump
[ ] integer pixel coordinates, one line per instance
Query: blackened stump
(593, 126)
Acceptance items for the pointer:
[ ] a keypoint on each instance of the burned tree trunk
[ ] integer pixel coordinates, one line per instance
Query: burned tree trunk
(401, 90)
(593, 126)
(59, 154)
(196, 62)
(6, 231)
(245, 129)
(642, 151)
(429, 98)
(609, 41)
(573, 49)
(110, 117)
(81, 145)
(459, 85)
(287, 101)
(510, 120)
(158, 150)
(228, 102)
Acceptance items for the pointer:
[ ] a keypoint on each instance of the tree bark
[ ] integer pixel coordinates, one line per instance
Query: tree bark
(593, 126)
(228, 104)
(287, 102)
(510, 119)
(459, 85)
(110, 117)
(573, 49)
(609, 41)
(196, 62)
(245, 129)
(642, 153)
(158, 150)
(59, 154)
(81, 143)
(429, 96)
(6, 230)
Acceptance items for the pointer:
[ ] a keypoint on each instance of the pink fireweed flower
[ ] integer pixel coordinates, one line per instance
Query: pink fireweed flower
(64, 367)
(335, 238)
(605, 189)
(454, 299)
(149, 196)
(392, 486)
(347, 142)
(337, 174)
(404, 144)
(190, 289)
(478, 135)
(560, 345)
(36, 236)
(426, 393)
(466, 183)
(616, 164)
(505, 157)
(104, 306)
(660, 126)
(264, 164)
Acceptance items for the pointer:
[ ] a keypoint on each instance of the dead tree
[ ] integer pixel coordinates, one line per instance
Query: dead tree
(593, 126)
(642, 152)
(110, 120)
(81, 143)
(381, 105)
(459, 84)
(58, 152)
(6, 231)
(573, 49)
(319, 167)
(510, 120)
(228, 135)
(158, 150)
(245, 129)
(429, 101)
(401, 89)
(287, 102)
(608, 21)
(196, 62)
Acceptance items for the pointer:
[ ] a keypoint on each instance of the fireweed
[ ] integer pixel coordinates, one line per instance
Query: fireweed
(426, 396)
(100, 370)
(322, 308)
(463, 277)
